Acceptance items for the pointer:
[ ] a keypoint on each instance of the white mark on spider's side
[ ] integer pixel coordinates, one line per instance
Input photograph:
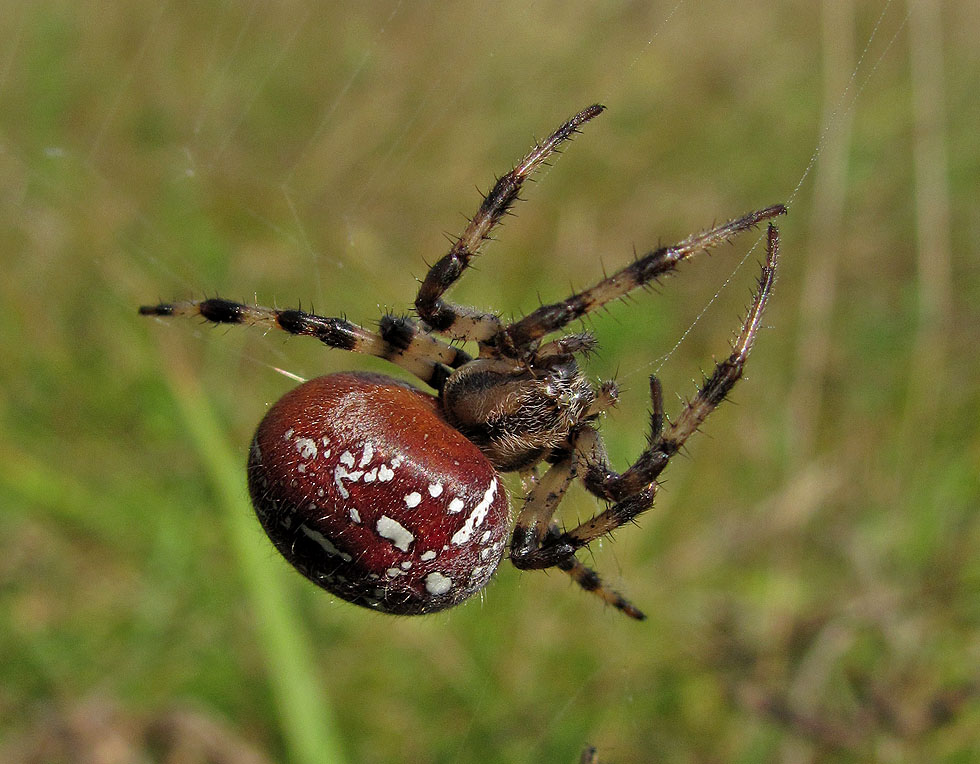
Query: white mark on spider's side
(405, 564)
(494, 552)
(341, 474)
(456, 505)
(384, 474)
(476, 517)
(301, 468)
(288, 435)
(436, 583)
(413, 499)
(485, 537)
(435, 490)
(347, 458)
(367, 456)
(355, 515)
(399, 535)
(306, 447)
(370, 477)
(397, 462)
(485, 552)
(426, 556)
(393, 572)
(325, 543)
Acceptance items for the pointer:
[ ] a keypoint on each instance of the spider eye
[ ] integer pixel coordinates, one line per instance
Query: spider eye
(369, 493)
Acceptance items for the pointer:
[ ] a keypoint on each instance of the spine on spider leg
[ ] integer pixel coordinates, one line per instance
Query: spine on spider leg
(634, 490)
(603, 481)
(334, 332)
(399, 340)
(624, 511)
(656, 412)
(443, 316)
(642, 271)
(720, 382)
(589, 580)
(405, 336)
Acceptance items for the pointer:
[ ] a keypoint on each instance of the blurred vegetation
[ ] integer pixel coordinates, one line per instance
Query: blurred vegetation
(812, 567)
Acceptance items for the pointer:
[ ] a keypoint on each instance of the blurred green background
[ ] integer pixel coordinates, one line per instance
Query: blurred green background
(812, 566)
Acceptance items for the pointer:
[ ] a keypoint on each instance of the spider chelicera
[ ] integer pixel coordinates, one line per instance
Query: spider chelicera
(390, 497)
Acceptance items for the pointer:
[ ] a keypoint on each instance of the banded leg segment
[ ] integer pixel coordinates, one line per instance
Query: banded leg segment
(550, 318)
(466, 323)
(399, 340)
(634, 490)
(719, 384)
(589, 580)
(535, 530)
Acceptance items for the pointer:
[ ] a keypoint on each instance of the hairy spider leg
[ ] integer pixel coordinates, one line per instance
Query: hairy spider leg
(549, 318)
(625, 489)
(601, 480)
(590, 581)
(536, 543)
(534, 527)
(398, 340)
(467, 323)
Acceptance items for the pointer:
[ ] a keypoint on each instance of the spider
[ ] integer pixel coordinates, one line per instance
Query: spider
(390, 497)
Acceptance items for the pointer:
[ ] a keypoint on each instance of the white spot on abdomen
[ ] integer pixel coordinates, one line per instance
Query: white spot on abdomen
(436, 583)
(367, 456)
(324, 543)
(397, 533)
(413, 499)
(340, 474)
(306, 447)
(476, 517)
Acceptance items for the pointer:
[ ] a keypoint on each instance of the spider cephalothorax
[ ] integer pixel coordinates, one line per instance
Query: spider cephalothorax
(390, 497)
(515, 413)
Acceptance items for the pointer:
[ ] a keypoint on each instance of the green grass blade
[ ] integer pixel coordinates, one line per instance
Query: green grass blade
(306, 716)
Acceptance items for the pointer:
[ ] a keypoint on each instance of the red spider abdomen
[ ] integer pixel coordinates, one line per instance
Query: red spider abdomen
(365, 488)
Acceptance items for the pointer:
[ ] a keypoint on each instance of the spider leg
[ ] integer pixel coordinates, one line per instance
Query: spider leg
(550, 318)
(535, 530)
(398, 340)
(634, 490)
(589, 580)
(467, 323)
(716, 387)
